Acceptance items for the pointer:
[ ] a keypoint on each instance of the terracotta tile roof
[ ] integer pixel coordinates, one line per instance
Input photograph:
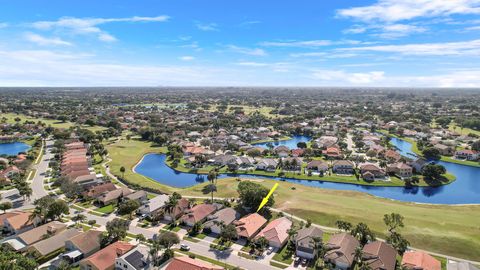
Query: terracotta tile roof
(420, 260)
(379, 256)
(105, 258)
(249, 225)
(96, 191)
(276, 231)
(186, 263)
(20, 220)
(199, 212)
(3, 217)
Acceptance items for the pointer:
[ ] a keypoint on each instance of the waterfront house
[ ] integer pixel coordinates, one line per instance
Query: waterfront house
(341, 250)
(276, 232)
(305, 242)
(401, 170)
(343, 167)
(317, 167)
(371, 171)
(267, 164)
(467, 154)
(419, 260)
(248, 226)
(379, 255)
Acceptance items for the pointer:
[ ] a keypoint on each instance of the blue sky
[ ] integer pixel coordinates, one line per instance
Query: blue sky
(240, 43)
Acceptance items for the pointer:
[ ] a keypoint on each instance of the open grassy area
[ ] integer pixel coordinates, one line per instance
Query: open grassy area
(128, 154)
(49, 122)
(452, 230)
(107, 209)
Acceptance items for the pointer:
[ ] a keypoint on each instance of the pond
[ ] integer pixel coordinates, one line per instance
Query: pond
(12, 149)
(291, 143)
(465, 190)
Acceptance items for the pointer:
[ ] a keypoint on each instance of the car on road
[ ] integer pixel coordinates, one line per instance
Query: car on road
(184, 247)
(269, 250)
(304, 262)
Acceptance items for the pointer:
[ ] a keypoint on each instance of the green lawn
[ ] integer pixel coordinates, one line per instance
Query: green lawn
(451, 230)
(284, 256)
(128, 154)
(50, 122)
(107, 209)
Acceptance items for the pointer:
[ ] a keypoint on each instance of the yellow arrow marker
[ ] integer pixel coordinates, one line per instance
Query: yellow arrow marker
(265, 200)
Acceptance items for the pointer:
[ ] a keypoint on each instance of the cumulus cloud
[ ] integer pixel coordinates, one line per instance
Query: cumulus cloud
(296, 43)
(91, 25)
(351, 78)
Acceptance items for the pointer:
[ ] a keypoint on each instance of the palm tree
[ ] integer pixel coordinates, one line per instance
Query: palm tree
(212, 176)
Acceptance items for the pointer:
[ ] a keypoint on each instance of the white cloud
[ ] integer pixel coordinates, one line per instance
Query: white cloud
(398, 10)
(473, 28)
(352, 78)
(399, 30)
(3, 25)
(247, 51)
(90, 25)
(309, 54)
(43, 41)
(252, 64)
(186, 58)
(449, 48)
(305, 43)
(207, 26)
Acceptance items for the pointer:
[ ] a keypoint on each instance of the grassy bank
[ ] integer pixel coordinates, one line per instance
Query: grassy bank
(451, 230)
(49, 122)
(348, 179)
(128, 154)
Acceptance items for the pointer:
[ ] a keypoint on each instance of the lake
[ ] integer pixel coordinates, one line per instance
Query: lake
(465, 190)
(12, 149)
(292, 143)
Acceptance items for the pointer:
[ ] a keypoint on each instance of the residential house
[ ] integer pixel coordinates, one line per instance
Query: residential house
(332, 152)
(198, 213)
(419, 260)
(96, 191)
(276, 232)
(419, 164)
(223, 217)
(371, 171)
(305, 242)
(53, 243)
(248, 226)
(392, 155)
(444, 150)
(139, 196)
(298, 152)
(343, 167)
(28, 238)
(453, 265)
(153, 206)
(400, 169)
(267, 164)
(292, 164)
(317, 167)
(282, 151)
(113, 196)
(19, 222)
(341, 250)
(467, 154)
(136, 259)
(379, 255)
(186, 263)
(104, 259)
(179, 210)
(78, 248)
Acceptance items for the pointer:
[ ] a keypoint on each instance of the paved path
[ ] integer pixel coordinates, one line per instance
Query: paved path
(38, 190)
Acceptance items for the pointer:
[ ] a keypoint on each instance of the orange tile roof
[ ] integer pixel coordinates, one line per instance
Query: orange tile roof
(249, 225)
(186, 263)
(105, 258)
(277, 230)
(20, 220)
(420, 260)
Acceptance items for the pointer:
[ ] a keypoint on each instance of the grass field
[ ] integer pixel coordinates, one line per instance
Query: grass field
(452, 230)
(127, 154)
(49, 122)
